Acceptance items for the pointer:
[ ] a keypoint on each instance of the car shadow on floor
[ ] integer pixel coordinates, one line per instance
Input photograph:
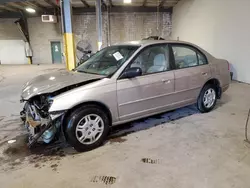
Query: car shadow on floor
(117, 132)
(224, 100)
(54, 152)
(152, 121)
(19, 149)
(61, 148)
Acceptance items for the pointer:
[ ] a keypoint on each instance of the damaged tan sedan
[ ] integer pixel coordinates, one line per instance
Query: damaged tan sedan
(119, 84)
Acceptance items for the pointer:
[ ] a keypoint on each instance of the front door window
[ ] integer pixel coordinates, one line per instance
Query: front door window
(152, 60)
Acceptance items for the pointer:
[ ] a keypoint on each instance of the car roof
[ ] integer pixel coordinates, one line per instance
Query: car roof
(150, 42)
(144, 43)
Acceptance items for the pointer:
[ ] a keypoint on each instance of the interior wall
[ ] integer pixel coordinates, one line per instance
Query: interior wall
(123, 27)
(220, 27)
(12, 52)
(11, 43)
(9, 30)
(41, 35)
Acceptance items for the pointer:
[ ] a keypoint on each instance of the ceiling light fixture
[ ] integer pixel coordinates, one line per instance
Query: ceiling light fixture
(127, 1)
(30, 10)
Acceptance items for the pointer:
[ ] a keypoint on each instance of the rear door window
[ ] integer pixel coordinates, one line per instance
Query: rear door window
(186, 56)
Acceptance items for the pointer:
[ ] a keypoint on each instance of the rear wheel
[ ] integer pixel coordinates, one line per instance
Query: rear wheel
(207, 99)
(87, 128)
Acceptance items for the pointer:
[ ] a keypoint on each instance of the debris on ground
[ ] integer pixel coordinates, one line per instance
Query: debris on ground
(11, 141)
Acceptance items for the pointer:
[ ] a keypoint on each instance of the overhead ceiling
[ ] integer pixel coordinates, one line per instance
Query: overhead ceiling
(13, 8)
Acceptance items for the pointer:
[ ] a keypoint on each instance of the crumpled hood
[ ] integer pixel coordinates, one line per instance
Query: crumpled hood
(52, 82)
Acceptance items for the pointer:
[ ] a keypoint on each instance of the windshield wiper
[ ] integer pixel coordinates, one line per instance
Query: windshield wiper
(80, 71)
(88, 72)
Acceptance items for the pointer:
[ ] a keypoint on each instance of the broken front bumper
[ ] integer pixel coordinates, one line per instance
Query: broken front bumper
(40, 129)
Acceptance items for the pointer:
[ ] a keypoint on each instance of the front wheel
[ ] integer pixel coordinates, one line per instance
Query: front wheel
(87, 128)
(207, 99)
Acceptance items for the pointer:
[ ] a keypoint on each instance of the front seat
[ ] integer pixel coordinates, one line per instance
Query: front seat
(159, 64)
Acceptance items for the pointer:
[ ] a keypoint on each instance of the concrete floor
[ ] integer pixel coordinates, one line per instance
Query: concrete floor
(193, 151)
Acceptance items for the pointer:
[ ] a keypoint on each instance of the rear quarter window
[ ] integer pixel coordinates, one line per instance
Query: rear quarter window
(202, 59)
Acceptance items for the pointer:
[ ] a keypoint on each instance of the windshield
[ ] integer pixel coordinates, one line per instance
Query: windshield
(108, 60)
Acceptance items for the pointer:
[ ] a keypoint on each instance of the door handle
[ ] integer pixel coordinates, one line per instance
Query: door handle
(204, 73)
(166, 81)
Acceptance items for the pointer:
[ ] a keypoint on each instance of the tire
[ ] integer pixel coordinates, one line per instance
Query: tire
(80, 125)
(203, 106)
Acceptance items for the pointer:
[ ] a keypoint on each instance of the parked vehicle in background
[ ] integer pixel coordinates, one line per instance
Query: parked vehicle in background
(119, 84)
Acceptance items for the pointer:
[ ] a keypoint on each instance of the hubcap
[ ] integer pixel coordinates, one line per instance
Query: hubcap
(209, 98)
(89, 129)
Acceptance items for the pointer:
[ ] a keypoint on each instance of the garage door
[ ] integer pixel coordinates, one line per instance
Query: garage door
(12, 52)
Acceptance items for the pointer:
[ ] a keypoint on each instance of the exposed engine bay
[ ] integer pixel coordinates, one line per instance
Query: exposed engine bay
(37, 119)
(42, 126)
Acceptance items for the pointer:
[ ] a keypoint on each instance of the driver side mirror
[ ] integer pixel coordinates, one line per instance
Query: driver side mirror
(132, 72)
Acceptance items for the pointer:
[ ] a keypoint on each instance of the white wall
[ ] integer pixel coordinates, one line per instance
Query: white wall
(12, 47)
(221, 27)
(12, 52)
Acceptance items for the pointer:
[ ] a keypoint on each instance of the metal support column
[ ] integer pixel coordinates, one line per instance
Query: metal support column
(99, 23)
(108, 33)
(69, 43)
